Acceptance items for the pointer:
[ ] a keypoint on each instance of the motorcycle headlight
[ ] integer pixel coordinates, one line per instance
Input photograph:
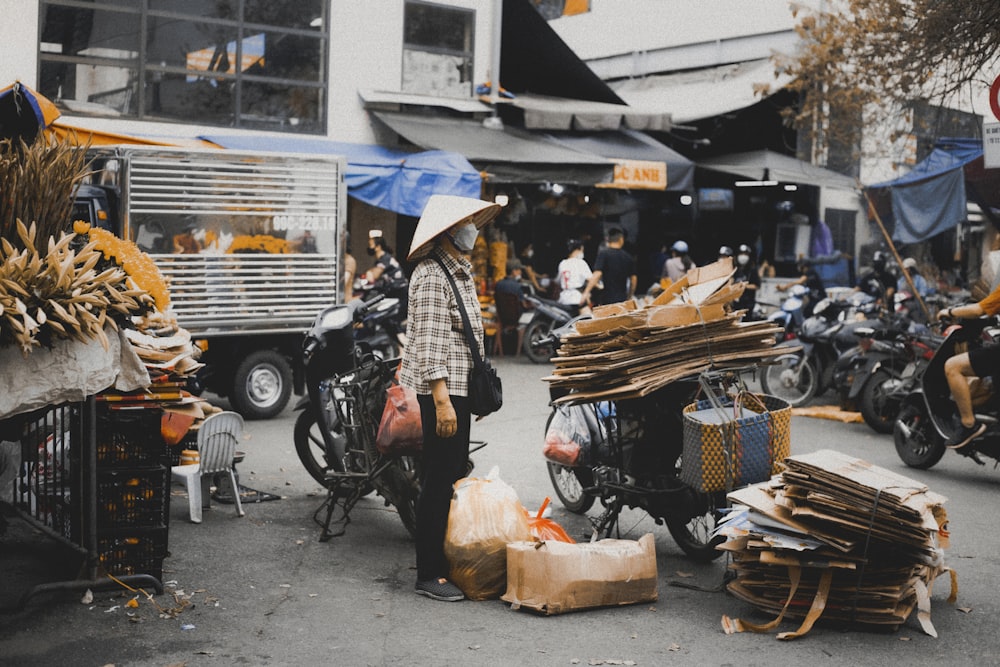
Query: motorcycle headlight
(335, 318)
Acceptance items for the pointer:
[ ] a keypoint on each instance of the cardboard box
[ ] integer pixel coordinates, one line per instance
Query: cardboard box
(556, 577)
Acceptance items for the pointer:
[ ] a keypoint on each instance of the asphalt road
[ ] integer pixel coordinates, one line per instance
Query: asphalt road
(261, 590)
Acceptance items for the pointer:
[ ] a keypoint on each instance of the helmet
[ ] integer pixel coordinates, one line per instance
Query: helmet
(573, 244)
(744, 249)
(725, 251)
(679, 246)
(878, 260)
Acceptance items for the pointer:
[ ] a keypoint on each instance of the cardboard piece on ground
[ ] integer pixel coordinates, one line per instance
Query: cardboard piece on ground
(556, 577)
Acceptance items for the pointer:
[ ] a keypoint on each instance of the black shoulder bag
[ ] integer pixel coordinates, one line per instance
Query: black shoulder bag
(485, 390)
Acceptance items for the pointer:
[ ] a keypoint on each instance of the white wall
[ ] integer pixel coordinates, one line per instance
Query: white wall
(19, 37)
(366, 46)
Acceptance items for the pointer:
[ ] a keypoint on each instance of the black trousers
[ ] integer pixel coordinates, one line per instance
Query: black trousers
(443, 463)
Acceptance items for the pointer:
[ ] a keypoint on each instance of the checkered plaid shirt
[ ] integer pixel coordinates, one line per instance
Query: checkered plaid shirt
(435, 343)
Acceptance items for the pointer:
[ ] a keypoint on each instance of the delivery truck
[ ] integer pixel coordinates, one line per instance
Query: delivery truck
(251, 246)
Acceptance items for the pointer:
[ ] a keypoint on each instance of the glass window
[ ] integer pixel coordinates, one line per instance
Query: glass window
(437, 50)
(238, 63)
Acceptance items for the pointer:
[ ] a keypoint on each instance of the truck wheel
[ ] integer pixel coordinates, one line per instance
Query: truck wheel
(262, 385)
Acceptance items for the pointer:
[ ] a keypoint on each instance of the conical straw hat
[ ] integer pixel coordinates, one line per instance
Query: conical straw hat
(444, 212)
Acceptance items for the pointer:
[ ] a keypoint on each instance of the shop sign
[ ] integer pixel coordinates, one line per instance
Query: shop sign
(639, 175)
(991, 145)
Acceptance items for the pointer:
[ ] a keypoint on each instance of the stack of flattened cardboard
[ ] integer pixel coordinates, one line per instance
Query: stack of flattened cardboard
(836, 537)
(627, 351)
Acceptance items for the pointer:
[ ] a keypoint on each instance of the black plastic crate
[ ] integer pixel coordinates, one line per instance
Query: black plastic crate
(139, 551)
(133, 498)
(130, 439)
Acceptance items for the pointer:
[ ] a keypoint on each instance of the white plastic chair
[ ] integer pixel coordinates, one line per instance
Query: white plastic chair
(217, 440)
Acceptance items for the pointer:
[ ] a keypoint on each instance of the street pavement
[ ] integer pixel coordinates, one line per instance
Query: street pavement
(262, 590)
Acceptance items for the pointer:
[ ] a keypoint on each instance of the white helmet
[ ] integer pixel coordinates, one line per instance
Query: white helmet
(679, 246)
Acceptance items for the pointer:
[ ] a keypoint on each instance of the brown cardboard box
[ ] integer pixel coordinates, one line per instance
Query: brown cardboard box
(556, 577)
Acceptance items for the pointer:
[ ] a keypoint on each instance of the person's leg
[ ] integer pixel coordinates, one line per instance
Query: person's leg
(443, 462)
(957, 370)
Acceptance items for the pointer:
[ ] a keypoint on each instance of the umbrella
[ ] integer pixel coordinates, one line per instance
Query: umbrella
(23, 112)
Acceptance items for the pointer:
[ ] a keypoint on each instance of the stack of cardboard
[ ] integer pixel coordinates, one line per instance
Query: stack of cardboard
(836, 537)
(627, 351)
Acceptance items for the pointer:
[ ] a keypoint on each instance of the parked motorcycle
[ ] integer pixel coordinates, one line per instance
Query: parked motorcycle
(929, 417)
(882, 369)
(790, 316)
(807, 369)
(545, 317)
(382, 326)
(335, 432)
(635, 461)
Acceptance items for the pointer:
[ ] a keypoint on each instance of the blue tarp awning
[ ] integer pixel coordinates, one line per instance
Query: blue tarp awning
(931, 198)
(383, 177)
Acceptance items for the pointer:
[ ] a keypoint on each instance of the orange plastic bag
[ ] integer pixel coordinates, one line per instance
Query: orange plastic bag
(400, 432)
(547, 530)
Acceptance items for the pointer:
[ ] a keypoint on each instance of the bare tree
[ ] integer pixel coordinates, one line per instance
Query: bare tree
(873, 59)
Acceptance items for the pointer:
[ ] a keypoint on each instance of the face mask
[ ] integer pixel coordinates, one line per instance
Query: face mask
(371, 251)
(529, 253)
(743, 259)
(464, 237)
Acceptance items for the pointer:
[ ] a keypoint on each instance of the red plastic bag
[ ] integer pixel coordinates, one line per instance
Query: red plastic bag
(547, 530)
(400, 432)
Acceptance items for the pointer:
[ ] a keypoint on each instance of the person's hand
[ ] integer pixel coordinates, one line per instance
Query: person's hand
(945, 315)
(447, 422)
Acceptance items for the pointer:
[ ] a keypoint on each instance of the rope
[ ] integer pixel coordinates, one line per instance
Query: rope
(864, 561)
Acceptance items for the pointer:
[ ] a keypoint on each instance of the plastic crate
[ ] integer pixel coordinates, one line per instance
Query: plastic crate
(133, 498)
(130, 439)
(140, 551)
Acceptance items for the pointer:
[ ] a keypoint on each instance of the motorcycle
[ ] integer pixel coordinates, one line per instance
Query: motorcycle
(334, 435)
(882, 369)
(545, 317)
(635, 461)
(807, 369)
(382, 326)
(789, 316)
(929, 417)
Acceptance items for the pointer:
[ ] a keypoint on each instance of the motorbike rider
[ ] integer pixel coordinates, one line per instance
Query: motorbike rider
(679, 263)
(387, 273)
(747, 273)
(810, 278)
(976, 363)
(879, 281)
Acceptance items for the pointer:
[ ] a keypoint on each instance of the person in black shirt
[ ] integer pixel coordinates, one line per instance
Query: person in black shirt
(616, 268)
(746, 272)
(812, 281)
(879, 281)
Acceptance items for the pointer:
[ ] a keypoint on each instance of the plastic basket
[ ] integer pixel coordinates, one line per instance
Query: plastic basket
(133, 498)
(124, 552)
(745, 447)
(130, 439)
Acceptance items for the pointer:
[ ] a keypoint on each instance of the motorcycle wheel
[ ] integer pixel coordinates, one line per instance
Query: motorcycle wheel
(918, 443)
(879, 407)
(536, 331)
(569, 484)
(792, 378)
(694, 535)
(312, 452)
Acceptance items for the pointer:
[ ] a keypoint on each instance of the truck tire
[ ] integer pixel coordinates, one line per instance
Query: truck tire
(262, 385)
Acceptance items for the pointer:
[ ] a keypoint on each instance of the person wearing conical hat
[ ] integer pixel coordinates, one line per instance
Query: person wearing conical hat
(436, 364)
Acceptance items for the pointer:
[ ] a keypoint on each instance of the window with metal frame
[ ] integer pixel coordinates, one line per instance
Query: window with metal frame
(437, 49)
(234, 63)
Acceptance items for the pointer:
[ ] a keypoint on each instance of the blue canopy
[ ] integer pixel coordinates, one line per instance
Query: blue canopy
(383, 177)
(931, 198)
